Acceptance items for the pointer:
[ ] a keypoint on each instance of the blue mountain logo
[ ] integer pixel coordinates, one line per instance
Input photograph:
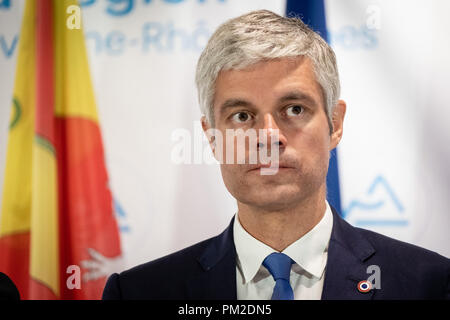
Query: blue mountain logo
(365, 210)
(120, 216)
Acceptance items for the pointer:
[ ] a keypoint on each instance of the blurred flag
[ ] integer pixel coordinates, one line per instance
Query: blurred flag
(56, 217)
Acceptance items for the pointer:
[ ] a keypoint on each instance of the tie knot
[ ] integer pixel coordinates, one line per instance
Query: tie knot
(279, 265)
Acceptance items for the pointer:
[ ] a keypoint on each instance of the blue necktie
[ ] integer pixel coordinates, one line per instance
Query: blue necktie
(279, 266)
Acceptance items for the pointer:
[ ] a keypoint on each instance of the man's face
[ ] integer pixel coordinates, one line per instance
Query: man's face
(279, 94)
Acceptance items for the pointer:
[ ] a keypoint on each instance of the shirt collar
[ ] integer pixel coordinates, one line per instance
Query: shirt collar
(308, 252)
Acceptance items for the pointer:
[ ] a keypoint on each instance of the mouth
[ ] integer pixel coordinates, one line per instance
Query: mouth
(268, 166)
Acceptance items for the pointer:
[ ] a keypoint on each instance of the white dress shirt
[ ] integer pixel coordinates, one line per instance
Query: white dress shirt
(254, 282)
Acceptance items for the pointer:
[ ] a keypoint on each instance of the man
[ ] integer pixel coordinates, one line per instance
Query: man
(264, 71)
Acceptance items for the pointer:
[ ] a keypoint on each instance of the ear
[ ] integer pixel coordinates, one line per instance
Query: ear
(338, 123)
(206, 126)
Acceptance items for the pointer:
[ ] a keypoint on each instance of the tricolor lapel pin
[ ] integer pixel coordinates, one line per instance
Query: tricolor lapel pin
(364, 286)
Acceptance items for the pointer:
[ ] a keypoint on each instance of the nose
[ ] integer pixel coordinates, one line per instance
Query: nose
(271, 135)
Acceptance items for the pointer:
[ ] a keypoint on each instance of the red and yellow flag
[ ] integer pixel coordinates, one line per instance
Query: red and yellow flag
(57, 207)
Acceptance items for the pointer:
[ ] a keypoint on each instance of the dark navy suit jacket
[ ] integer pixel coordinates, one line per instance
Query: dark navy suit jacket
(207, 270)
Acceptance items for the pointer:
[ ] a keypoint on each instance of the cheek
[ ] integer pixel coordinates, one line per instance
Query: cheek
(236, 149)
(312, 146)
(233, 178)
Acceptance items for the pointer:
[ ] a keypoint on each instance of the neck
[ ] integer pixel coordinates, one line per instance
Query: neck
(281, 227)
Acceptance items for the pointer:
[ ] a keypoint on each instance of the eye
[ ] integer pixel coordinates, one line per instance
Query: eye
(294, 111)
(241, 117)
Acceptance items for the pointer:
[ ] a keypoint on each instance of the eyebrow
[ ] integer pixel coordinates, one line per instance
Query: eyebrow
(235, 102)
(297, 95)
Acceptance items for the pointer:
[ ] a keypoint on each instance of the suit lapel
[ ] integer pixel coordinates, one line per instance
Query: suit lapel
(217, 280)
(348, 255)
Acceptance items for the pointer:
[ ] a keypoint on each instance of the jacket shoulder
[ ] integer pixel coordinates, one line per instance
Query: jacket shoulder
(402, 252)
(408, 268)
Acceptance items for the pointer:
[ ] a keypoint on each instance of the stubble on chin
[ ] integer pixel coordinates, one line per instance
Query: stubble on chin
(272, 192)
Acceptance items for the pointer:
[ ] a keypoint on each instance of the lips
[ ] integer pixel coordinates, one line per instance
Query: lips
(274, 165)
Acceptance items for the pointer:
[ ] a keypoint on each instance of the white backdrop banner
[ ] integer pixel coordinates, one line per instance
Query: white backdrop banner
(393, 158)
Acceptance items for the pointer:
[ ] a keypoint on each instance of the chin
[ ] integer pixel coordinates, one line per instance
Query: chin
(272, 198)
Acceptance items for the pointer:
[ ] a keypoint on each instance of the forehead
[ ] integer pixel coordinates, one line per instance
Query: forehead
(266, 81)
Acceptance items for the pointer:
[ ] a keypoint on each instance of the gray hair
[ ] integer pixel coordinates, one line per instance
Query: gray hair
(264, 35)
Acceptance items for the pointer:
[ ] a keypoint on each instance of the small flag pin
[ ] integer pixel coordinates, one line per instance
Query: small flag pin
(364, 286)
